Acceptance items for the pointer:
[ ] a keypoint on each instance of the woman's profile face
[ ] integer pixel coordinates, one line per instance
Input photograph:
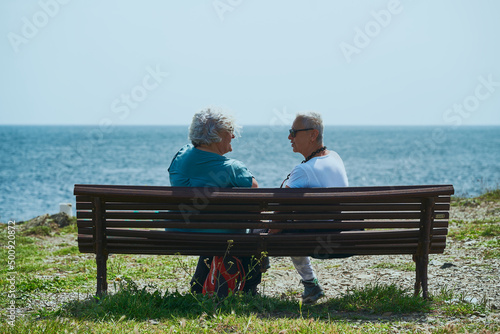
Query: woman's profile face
(225, 143)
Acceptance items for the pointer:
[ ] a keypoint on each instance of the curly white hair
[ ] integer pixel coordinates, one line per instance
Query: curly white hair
(207, 125)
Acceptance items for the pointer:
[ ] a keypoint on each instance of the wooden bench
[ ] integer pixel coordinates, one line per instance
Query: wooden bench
(382, 220)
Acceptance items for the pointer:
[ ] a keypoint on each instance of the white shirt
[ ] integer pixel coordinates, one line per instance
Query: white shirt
(325, 171)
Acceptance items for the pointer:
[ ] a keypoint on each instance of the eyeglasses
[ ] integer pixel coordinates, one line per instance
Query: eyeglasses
(293, 132)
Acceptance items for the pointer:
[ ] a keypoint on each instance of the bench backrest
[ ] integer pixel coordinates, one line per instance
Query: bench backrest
(132, 219)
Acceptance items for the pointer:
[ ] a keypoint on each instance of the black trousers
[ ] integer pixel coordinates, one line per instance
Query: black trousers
(252, 273)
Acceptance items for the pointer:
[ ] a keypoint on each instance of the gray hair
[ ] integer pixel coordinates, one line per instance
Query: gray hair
(312, 120)
(207, 125)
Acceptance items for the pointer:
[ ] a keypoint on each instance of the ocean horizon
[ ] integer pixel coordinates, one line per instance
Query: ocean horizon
(41, 164)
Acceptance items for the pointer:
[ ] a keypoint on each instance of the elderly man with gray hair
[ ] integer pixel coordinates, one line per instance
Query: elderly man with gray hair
(320, 168)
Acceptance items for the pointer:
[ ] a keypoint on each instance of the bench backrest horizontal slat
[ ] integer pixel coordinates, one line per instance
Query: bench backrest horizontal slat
(355, 224)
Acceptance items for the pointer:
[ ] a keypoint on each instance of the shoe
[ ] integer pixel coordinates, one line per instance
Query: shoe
(265, 264)
(312, 291)
(250, 290)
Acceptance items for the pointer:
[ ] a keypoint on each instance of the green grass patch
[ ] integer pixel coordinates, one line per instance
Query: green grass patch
(49, 284)
(38, 231)
(459, 305)
(72, 228)
(475, 229)
(406, 266)
(380, 299)
(491, 195)
(71, 250)
(486, 196)
(151, 303)
(493, 249)
(492, 254)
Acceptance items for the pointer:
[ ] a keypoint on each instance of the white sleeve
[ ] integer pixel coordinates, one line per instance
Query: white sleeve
(298, 178)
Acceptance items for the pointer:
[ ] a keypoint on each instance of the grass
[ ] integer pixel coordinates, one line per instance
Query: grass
(380, 299)
(458, 305)
(487, 196)
(475, 229)
(48, 263)
(151, 303)
(406, 266)
(485, 231)
(491, 195)
(151, 310)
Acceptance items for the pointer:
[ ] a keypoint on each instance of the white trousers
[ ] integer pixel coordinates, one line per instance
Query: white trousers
(304, 268)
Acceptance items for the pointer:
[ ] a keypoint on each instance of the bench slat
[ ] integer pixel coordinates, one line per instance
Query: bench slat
(149, 192)
(128, 206)
(265, 225)
(255, 216)
(177, 249)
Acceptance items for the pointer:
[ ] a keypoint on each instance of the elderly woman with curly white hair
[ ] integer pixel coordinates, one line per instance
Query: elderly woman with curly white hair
(203, 164)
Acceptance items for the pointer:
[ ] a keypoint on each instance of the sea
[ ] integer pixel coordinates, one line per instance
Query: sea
(40, 165)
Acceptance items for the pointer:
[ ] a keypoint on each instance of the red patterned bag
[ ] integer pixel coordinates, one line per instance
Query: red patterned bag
(226, 276)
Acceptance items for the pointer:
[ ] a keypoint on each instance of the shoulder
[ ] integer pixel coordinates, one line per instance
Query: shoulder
(236, 164)
(183, 151)
(332, 158)
(334, 155)
(236, 167)
(301, 168)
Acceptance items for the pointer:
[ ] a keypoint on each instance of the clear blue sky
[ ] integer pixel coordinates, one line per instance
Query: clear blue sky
(126, 62)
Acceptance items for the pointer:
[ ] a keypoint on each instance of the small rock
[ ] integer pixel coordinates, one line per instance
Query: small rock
(472, 300)
(447, 265)
(61, 219)
(363, 276)
(435, 263)
(37, 221)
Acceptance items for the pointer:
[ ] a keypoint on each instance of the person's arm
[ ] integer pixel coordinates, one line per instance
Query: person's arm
(254, 183)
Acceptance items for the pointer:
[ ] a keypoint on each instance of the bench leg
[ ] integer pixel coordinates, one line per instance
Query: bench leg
(421, 275)
(417, 274)
(100, 245)
(102, 273)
